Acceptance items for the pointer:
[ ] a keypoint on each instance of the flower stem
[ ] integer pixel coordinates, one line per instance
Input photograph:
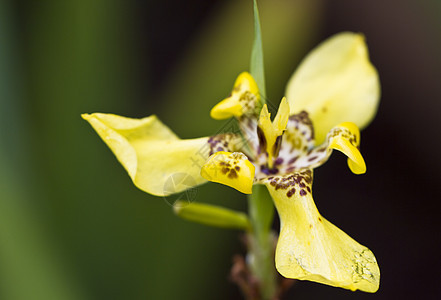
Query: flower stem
(261, 242)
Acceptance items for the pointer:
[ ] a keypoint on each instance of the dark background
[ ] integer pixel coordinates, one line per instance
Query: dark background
(73, 226)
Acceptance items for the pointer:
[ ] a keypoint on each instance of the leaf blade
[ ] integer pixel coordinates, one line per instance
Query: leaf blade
(257, 68)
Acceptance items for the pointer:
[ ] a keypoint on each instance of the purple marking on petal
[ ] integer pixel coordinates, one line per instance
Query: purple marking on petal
(268, 171)
(290, 169)
(278, 161)
(293, 160)
(312, 158)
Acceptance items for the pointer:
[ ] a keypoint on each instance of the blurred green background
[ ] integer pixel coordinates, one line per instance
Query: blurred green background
(73, 226)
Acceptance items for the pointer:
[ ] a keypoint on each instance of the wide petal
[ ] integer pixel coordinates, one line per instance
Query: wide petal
(344, 137)
(336, 83)
(157, 161)
(312, 248)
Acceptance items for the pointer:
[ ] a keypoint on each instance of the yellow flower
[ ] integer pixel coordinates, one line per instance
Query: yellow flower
(334, 91)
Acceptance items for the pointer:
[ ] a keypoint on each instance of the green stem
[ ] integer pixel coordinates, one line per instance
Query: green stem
(261, 242)
(261, 208)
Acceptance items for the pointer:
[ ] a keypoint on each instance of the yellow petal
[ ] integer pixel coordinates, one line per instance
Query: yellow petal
(344, 137)
(244, 99)
(336, 83)
(270, 133)
(230, 168)
(310, 247)
(281, 119)
(227, 108)
(157, 161)
(246, 82)
(298, 139)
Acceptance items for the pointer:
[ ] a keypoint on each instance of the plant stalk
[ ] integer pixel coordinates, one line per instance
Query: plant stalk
(260, 257)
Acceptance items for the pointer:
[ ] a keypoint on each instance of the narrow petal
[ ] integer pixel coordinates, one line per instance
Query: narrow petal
(227, 108)
(244, 103)
(310, 247)
(157, 161)
(344, 137)
(270, 132)
(232, 169)
(336, 83)
(281, 119)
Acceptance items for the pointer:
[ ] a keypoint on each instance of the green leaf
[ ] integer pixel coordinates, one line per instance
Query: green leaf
(211, 215)
(257, 69)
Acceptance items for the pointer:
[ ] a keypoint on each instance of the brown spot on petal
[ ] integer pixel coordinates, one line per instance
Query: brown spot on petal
(312, 158)
(262, 139)
(232, 174)
(292, 160)
(276, 146)
(290, 192)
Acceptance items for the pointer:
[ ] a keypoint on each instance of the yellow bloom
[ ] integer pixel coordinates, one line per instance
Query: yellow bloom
(334, 90)
(336, 83)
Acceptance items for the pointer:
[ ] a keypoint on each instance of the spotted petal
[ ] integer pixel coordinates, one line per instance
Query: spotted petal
(230, 168)
(244, 103)
(158, 162)
(298, 138)
(336, 83)
(344, 137)
(270, 132)
(312, 248)
(244, 99)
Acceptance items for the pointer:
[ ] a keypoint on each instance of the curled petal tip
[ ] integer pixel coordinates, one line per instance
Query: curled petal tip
(230, 168)
(247, 82)
(347, 141)
(86, 116)
(358, 167)
(243, 100)
(227, 108)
